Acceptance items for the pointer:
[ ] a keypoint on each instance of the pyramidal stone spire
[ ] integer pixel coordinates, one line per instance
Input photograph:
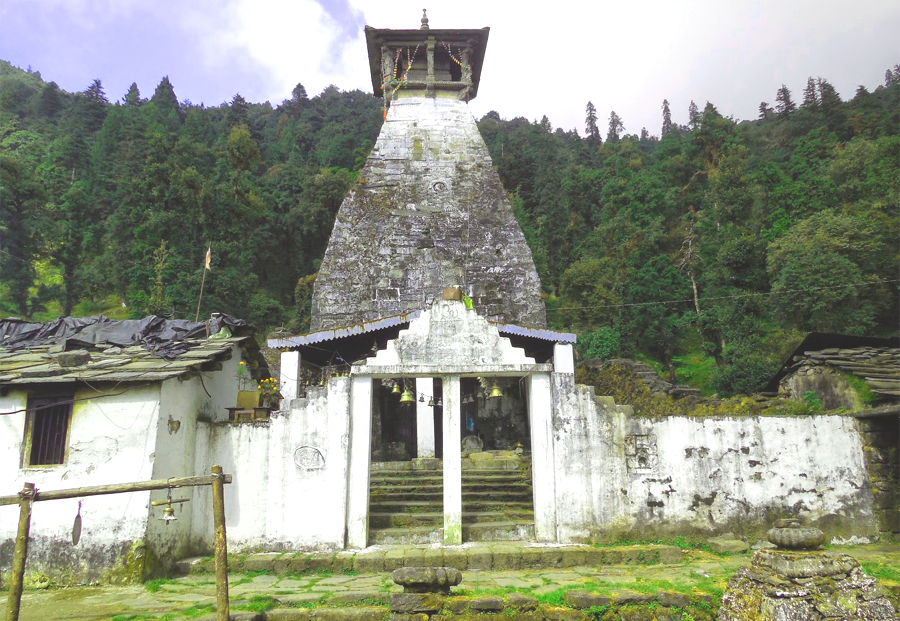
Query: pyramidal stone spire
(428, 210)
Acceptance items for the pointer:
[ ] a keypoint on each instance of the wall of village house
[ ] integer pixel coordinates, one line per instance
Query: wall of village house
(620, 475)
(112, 439)
(290, 475)
(182, 404)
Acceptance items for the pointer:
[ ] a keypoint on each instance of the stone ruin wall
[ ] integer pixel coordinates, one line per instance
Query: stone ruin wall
(428, 211)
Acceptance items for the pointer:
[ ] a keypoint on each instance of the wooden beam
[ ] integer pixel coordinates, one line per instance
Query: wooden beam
(118, 488)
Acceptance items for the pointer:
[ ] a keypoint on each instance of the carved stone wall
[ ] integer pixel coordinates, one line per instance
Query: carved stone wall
(428, 211)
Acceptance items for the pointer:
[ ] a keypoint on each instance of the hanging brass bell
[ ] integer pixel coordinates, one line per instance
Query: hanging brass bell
(396, 389)
(407, 397)
(495, 392)
(168, 514)
(431, 403)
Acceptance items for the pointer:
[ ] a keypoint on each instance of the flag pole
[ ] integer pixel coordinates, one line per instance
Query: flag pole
(203, 280)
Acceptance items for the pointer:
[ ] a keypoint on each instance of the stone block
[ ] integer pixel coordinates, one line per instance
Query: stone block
(393, 559)
(360, 597)
(452, 293)
(670, 554)
(585, 599)
(550, 557)
(552, 613)
(479, 558)
(486, 603)
(626, 596)
(260, 562)
(521, 602)
(320, 562)
(433, 557)
(350, 614)
(288, 614)
(369, 562)
(343, 562)
(414, 557)
(410, 617)
(574, 556)
(457, 605)
(416, 602)
(727, 546)
(427, 579)
(530, 558)
(888, 520)
(673, 599)
(456, 558)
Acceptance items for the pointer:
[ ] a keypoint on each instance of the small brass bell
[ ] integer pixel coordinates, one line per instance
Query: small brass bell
(407, 397)
(431, 403)
(396, 389)
(495, 392)
(168, 514)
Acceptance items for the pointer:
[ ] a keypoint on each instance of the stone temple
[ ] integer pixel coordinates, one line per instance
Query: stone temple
(428, 210)
(431, 404)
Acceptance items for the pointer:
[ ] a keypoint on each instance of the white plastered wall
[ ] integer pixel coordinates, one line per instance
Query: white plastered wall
(701, 475)
(290, 475)
(112, 439)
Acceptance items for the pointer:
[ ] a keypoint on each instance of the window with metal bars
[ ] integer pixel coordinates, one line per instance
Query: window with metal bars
(46, 430)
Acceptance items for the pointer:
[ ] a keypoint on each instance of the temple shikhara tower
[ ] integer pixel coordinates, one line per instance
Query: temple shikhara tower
(428, 210)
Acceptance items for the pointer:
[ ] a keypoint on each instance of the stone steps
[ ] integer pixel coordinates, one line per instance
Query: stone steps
(406, 506)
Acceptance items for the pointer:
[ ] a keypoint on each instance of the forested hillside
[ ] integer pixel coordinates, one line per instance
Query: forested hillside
(710, 249)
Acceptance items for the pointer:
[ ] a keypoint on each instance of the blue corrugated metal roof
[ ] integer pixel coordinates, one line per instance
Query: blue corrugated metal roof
(388, 322)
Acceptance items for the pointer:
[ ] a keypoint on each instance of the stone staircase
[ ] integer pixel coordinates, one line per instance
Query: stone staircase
(406, 506)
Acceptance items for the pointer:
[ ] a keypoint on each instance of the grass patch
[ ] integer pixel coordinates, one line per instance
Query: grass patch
(882, 571)
(258, 603)
(197, 611)
(133, 617)
(155, 585)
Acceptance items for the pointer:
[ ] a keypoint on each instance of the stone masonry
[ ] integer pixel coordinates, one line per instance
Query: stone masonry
(428, 211)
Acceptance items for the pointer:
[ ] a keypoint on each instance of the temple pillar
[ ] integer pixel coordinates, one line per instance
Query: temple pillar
(452, 462)
(290, 376)
(540, 402)
(360, 454)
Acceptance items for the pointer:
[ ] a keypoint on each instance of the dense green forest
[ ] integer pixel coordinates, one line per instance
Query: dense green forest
(709, 250)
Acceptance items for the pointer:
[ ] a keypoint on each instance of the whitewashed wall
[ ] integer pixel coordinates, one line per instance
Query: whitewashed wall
(701, 476)
(112, 440)
(182, 404)
(283, 496)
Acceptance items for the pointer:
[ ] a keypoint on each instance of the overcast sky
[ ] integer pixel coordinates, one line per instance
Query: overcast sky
(542, 58)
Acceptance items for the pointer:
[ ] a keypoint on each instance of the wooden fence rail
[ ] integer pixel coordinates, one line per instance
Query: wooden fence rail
(30, 494)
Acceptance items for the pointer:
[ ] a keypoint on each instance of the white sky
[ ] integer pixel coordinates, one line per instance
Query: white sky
(542, 58)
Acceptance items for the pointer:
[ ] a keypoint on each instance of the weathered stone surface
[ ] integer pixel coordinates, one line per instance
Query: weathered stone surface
(585, 599)
(457, 605)
(416, 602)
(563, 614)
(486, 603)
(810, 586)
(727, 546)
(522, 602)
(359, 597)
(673, 598)
(260, 562)
(372, 613)
(428, 211)
(794, 538)
(427, 579)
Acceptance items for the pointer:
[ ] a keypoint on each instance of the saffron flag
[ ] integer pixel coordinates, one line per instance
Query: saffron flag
(208, 257)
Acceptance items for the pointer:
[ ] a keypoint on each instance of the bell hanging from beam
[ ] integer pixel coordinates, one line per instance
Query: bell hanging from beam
(407, 397)
(496, 393)
(168, 514)
(396, 389)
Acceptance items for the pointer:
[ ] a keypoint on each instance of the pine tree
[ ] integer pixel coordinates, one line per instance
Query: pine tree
(645, 135)
(237, 111)
(810, 99)
(545, 124)
(693, 115)
(888, 77)
(615, 127)
(133, 97)
(591, 131)
(667, 118)
(764, 109)
(829, 100)
(784, 105)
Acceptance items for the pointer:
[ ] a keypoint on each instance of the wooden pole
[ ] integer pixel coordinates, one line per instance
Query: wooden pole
(26, 498)
(218, 494)
(118, 488)
(202, 282)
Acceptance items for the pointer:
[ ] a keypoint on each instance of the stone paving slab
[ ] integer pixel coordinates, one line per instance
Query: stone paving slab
(701, 576)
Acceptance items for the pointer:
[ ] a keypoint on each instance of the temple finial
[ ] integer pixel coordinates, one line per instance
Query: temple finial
(424, 20)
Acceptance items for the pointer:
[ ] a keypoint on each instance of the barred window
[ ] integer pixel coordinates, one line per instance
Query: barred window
(46, 430)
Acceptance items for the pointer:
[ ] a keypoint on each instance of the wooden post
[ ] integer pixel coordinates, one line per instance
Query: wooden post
(221, 543)
(26, 498)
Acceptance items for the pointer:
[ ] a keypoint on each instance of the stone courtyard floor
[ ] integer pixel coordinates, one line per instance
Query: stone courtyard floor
(700, 573)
